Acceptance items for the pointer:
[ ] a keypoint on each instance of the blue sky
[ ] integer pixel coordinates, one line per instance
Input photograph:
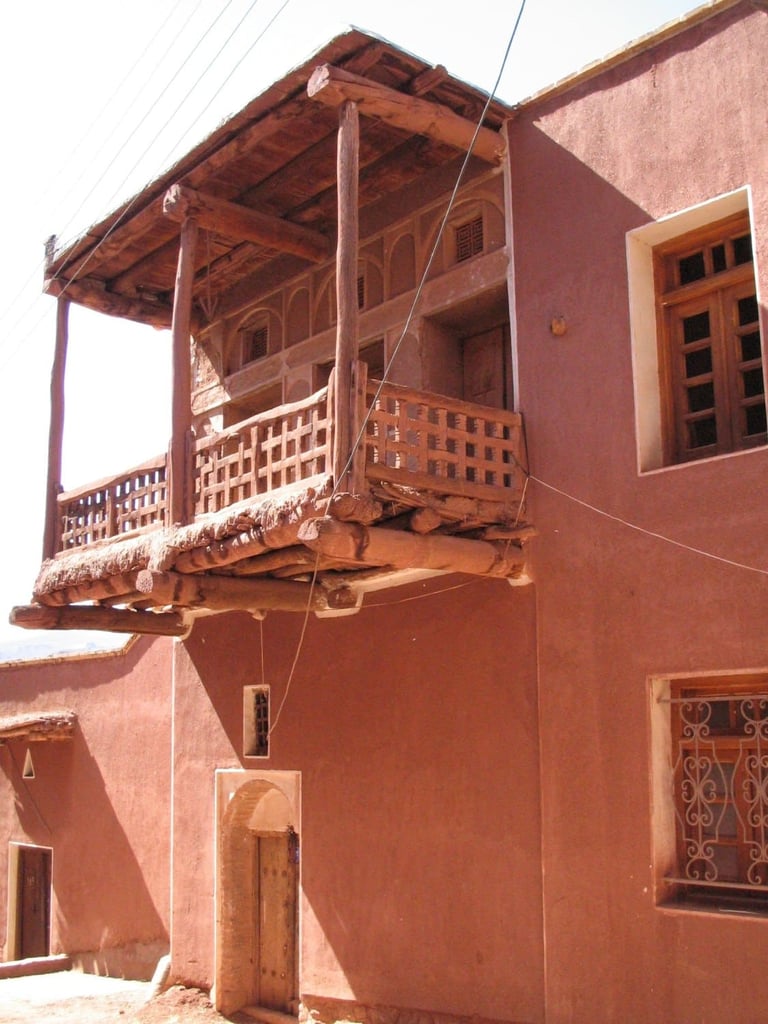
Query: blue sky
(99, 98)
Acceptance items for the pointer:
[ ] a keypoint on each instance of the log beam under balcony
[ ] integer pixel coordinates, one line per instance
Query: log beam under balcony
(112, 620)
(222, 593)
(242, 224)
(399, 549)
(333, 86)
(94, 294)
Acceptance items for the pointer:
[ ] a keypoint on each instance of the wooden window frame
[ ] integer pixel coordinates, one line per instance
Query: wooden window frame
(469, 238)
(721, 422)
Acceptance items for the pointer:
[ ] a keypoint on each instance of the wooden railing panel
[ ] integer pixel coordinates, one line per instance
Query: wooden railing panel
(114, 506)
(285, 446)
(443, 444)
(423, 440)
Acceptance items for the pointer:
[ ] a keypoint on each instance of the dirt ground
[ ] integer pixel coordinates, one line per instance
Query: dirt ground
(68, 998)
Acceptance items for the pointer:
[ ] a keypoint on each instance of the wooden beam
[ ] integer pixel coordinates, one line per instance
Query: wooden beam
(110, 620)
(333, 86)
(348, 159)
(36, 726)
(116, 587)
(222, 593)
(374, 545)
(179, 462)
(242, 224)
(94, 295)
(52, 532)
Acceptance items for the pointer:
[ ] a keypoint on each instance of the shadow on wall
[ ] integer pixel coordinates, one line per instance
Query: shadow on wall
(103, 912)
(414, 728)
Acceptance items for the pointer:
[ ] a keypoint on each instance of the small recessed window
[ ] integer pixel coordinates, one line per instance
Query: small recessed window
(255, 343)
(469, 239)
(256, 721)
(361, 292)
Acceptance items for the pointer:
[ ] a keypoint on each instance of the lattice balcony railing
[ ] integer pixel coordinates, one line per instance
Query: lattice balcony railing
(412, 437)
(114, 506)
(443, 444)
(285, 446)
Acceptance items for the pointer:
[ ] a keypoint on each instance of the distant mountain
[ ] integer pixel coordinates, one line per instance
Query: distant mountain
(37, 647)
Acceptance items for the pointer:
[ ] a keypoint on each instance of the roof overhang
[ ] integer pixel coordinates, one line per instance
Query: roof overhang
(38, 725)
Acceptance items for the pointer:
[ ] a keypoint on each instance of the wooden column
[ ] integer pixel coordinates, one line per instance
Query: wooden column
(348, 159)
(52, 530)
(179, 461)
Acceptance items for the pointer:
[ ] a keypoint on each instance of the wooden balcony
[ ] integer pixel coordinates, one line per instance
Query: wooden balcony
(435, 486)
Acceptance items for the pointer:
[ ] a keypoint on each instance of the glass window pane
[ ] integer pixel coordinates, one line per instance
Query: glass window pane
(702, 432)
(748, 310)
(698, 362)
(696, 327)
(691, 267)
(701, 397)
(750, 346)
(756, 420)
(718, 258)
(742, 249)
(753, 383)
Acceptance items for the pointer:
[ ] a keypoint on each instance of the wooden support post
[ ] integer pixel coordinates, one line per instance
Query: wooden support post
(348, 158)
(180, 469)
(357, 415)
(52, 533)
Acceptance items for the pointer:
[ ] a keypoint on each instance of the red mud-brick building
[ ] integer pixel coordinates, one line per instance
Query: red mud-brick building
(461, 538)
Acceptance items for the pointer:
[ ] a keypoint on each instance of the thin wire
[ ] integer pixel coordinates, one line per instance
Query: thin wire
(11, 351)
(650, 533)
(411, 313)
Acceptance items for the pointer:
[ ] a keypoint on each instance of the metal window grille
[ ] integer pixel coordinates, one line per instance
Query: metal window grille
(469, 239)
(261, 722)
(720, 780)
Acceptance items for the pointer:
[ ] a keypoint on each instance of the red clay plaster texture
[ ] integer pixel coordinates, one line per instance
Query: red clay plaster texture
(414, 728)
(671, 128)
(100, 801)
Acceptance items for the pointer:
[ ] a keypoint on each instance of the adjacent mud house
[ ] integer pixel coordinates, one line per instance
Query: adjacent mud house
(385, 780)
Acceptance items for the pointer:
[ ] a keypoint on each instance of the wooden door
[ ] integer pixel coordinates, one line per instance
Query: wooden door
(276, 871)
(486, 367)
(33, 903)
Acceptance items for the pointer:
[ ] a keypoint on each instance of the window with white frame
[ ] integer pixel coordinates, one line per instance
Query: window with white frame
(697, 349)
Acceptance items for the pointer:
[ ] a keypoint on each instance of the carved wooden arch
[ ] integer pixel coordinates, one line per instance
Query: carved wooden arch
(323, 317)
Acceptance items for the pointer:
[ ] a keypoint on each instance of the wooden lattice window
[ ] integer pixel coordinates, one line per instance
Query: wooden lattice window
(256, 721)
(710, 359)
(361, 292)
(255, 342)
(469, 239)
(720, 791)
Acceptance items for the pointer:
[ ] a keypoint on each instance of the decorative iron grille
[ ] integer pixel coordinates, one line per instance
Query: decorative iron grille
(720, 779)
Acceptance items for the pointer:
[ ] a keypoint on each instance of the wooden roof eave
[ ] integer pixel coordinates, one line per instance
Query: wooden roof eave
(120, 290)
(38, 726)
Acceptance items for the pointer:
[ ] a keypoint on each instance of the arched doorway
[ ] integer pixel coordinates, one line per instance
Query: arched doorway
(257, 896)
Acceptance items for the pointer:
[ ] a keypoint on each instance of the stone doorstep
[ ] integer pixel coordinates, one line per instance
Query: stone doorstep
(266, 1016)
(35, 965)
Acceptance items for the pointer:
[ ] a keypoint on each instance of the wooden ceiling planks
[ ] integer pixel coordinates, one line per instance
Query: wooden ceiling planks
(278, 157)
